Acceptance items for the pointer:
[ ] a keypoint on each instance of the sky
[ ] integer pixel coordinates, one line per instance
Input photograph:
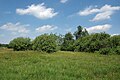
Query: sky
(31, 18)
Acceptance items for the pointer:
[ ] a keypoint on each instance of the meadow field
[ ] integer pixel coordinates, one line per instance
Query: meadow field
(33, 65)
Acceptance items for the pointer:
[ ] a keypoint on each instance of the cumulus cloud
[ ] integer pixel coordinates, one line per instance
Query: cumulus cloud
(46, 28)
(102, 13)
(103, 16)
(99, 28)
(15, 27)
(63, 1)
(88, 11)
(40, 11)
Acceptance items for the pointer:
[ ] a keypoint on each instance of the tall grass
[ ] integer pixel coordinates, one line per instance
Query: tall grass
(30, 65)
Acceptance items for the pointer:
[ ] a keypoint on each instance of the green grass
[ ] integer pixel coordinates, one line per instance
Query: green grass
(30, 65)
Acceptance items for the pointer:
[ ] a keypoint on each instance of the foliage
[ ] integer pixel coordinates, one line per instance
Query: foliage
(84, 42)
(81, 32)
(117, 50)
(3, 45)
(45, 42)
(92, 43)
(59, 40)
(68, 41)
(104, 51)
(114, 41)
(113, 44)
(109, 50)
(20, 43)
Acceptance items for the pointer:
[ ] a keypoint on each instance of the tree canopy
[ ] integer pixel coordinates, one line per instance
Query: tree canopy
(84, 42)
(45, 42)
(81, 32)
(68, 41)
(20, 43)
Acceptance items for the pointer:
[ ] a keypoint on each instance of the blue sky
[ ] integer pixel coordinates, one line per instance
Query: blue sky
(31, 18)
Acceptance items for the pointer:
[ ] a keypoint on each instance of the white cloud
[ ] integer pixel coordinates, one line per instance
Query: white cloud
(15, 27)
(103, 16)
(102, 13)
(109, 8)
(99, 28)
(40, 11)
(46, 28)
(63, 1)
(88, 11)
(115, 34)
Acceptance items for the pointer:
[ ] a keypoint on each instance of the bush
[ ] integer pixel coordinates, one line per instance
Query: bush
(117, 50)
(114, 41)
(45, 43)
(20, 44)
(92, 43)
(4, 45)
(68, 42)
(105, 51)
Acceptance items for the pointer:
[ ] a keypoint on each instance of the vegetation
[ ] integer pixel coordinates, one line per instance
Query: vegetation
(92, 43)
(81, 32)
(68, 42)
(30, 61)
(3, 45)
(45, 42)
(114, 41)
(84, 42)
(32, 65)
(105, 51)
(20, 44)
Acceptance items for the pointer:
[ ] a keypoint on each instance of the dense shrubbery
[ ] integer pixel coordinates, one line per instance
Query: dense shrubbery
(92, 43)
(114, 41)
(84, 42)
(105, 51)
(68, 42)
(117, 50)
(4, 45)
(101, 42)
(45, 42)
(20, 43)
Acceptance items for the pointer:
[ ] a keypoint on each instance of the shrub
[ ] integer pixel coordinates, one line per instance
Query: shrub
(3, 45)
(45, 43)
(20, 44)
(68, 41)
(117, 50)
(92, 43)
(104, 51)
(114, 41)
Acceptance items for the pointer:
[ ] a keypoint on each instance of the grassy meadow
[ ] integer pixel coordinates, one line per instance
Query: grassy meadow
(30, 65)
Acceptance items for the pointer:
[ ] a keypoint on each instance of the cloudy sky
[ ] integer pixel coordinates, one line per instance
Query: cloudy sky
(30, 18)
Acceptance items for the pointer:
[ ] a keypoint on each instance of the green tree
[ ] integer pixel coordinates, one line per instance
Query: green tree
(68, 41)
(20, 43)
(45, 43)
(81, 32)
(92, 43)
(114, 41)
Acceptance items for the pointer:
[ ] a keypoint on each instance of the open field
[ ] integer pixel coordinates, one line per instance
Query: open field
(29, 65)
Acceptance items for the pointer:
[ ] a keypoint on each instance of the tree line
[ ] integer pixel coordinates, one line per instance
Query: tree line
(80, 41)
